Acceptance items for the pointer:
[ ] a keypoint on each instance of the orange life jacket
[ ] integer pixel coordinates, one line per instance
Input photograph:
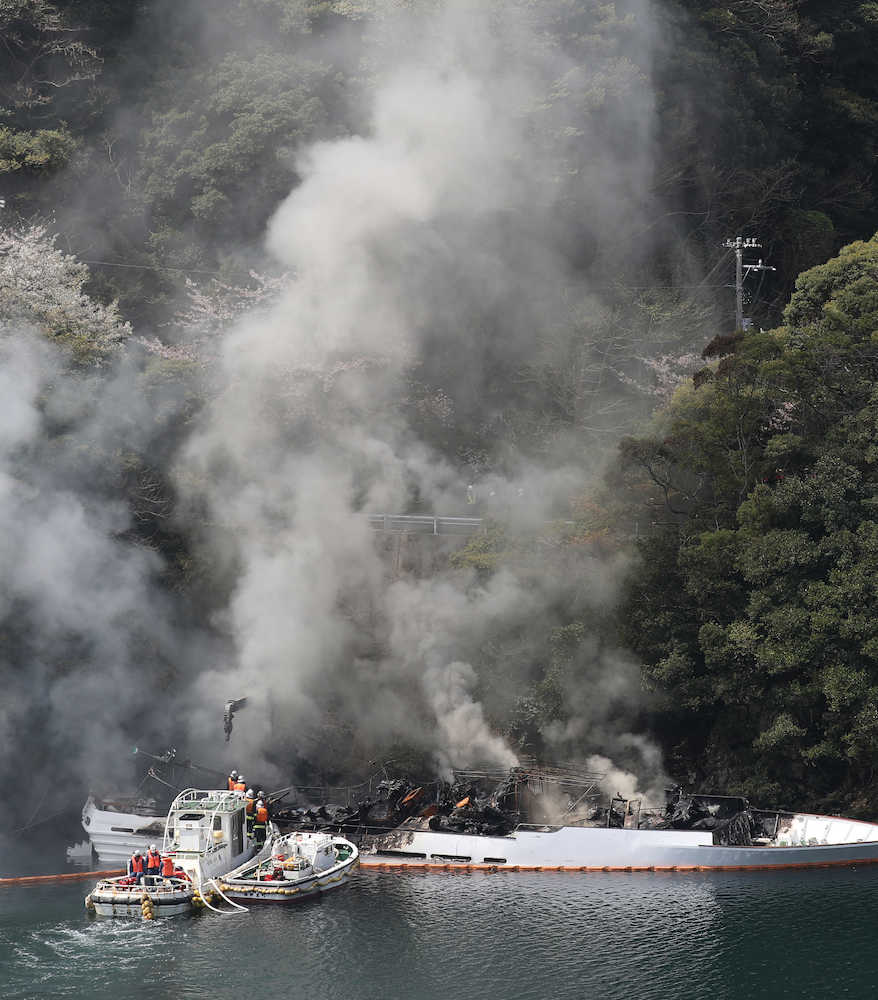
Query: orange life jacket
(233, 784)
(251, 805)
(262, 815)
(239, 786)
(168, 867)
(153, 859)
(136, 865)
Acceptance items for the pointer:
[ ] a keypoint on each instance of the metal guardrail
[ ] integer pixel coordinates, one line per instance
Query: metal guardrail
(425, 524)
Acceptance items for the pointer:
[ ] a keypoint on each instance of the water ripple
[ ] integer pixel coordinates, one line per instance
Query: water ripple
(460, 936)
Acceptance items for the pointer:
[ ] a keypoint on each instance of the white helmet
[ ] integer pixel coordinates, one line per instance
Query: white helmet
(260, 804)
(249, 793)
(242, 779)
(152, 847)
(233, 773)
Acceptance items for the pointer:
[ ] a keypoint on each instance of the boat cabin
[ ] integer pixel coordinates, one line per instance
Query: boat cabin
(297, 856)
(207, 829)
(309, 849)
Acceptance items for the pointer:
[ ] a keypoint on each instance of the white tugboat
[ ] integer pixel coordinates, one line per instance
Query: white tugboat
(301, 865)
(204, 835)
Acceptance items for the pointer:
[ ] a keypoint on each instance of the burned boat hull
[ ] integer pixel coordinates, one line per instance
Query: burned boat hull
(116, 834)
(807, 841)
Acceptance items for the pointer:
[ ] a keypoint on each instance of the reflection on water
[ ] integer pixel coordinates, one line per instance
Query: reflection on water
(466, 936)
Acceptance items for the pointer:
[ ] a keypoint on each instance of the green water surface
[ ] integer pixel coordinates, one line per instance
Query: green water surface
(460, 936)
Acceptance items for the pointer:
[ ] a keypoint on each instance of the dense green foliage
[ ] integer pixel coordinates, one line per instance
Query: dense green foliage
(754, 605)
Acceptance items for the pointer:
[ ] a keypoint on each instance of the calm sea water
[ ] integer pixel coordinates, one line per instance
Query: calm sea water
(462, 936)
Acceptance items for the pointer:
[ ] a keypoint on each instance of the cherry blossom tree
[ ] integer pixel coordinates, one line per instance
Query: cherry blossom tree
(43, 287)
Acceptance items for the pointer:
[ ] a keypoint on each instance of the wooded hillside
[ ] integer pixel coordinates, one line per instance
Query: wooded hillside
(494, 252)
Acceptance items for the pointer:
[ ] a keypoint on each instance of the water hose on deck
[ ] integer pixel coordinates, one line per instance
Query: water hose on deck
(231, 902)
(206, 901)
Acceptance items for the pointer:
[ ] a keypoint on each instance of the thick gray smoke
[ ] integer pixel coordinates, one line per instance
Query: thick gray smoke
(435, 248)
(434, 241)
(86, 625)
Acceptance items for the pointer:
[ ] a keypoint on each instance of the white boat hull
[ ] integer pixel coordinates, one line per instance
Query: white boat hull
(115, 836)
(812, 842)
(133, 909)
(295, 886)
(169, 898)
(283, 893)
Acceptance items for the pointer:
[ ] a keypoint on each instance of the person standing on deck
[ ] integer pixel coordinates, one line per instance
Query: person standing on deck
(135, 866)
(241, 784)
(260, 824)
(250, 802)
(233, 779)
(167, 866)
(153, 861)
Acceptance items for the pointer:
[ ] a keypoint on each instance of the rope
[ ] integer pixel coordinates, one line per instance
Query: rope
(206, 901)
(45, 819)
(151, 774)
(231, 902)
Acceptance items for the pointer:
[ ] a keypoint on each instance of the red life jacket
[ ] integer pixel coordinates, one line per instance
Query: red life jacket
(168, 867)
(153, 859)
(137, 865)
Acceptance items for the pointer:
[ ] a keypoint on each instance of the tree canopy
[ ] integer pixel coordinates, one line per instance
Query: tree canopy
(753, 607)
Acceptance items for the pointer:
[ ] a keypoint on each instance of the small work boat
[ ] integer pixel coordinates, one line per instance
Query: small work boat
(301, 865)
(205, 834)
(155, 896)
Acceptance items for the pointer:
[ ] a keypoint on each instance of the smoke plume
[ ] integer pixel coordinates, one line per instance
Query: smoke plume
(433, 243)
(445, 258)
(86, 621)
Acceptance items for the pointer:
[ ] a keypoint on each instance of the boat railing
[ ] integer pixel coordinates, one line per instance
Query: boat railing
(577, 782)
(213, 801)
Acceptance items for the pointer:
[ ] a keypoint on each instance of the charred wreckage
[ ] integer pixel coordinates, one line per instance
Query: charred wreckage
(494, 803)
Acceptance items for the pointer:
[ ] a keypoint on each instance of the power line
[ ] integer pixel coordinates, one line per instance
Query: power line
(154, 267)
(195, 270)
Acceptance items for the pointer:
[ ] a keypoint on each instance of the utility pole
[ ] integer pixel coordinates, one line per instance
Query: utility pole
(742, 270)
